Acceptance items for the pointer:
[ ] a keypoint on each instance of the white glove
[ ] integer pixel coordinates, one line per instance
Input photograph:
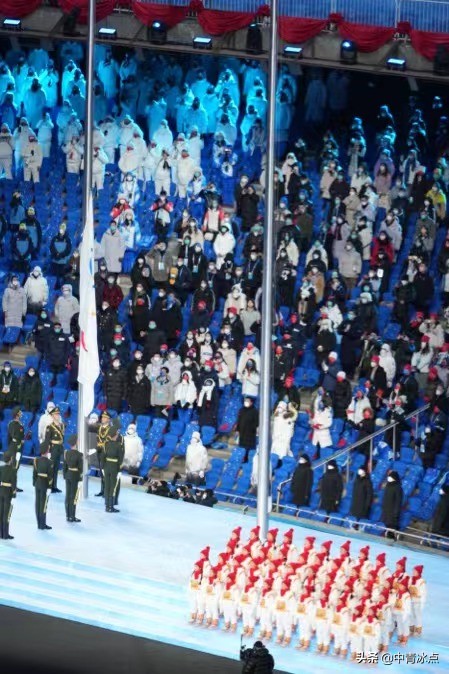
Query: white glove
(48, 491)
(18, 456)
(102, 472)
(91, 451)
(119, 475)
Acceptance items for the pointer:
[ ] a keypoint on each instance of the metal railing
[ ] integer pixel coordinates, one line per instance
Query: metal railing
(349, 449)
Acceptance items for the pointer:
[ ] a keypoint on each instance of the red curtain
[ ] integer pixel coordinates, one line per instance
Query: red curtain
(146, 12)
(297, 31)
(215, 22)
(367, 38)
(103, 8)
(16, 9)
(427, 43)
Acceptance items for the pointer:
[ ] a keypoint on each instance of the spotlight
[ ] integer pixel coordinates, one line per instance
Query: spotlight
(292, 52)
(12, 24)
(396, 64)
(202, 43)
(348, 52)
(254, 39)
(441, 61)
(107, 33)
(158, 33)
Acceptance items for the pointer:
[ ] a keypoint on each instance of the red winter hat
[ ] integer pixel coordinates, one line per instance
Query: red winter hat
(273, 533)
(345, 546)
(232, 310)
(201, 305)
(326, 545)
(381, 557)
(425, 339)
(289, 535)
(375, 359)
(237, 531)
(364, 551)
(402, 562)
(417, 570)
(205, 552)
(255, 531)
(310, 540)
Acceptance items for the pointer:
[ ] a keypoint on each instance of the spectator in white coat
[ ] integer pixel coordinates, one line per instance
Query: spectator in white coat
(250, 380)
(224, 244)
(387, 361)
(129, 161)
(107, 71)
(133, 450)
(126, 132)
(66, 306)
(32, 160)
(44, 134)
(34, 102)
(284, 419)
(6, 151)
(73, 151)
(185, 171)
(250, 352)
(114, 248)
(162, 173)
(185, 392)
(196, 144)
(321, 423)
(110, 131)
(197, 459)
(99, 161)
(45, 421)
(21, 138)
(36, 290)
(163, 137)
(14, 304)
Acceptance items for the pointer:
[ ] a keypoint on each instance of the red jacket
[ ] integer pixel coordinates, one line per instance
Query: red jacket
(113, 295)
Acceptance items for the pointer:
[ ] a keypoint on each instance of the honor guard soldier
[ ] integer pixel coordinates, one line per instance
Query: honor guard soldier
(73, 474)
(114, 454)
(54, 438)
(42, 481)
(8, 482)
(16, 438)
(104, 430)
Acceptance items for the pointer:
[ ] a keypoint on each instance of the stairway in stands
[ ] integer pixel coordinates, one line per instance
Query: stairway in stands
(103, 597)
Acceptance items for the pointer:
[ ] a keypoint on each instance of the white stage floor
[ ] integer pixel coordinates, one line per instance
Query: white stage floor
(129, 572)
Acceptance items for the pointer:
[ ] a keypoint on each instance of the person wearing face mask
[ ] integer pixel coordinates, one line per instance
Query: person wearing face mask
(14, 304)
(60, 251)
(36, 290)
(440, 521)
(197, 460)
(141, 274)
(153, 341)
(30, 393)
(22, 249)
(236, 299)
(139, 311)
(185, 393)
(392, 502)
(133, 452)
(9, 387)
(138, 391)
(302, 482)
(362, 495)
(112, 292)
(207, 402)
(224, 245)
(321, 423)
(66, 306)
(204, 294)
(331, 487)
(6, 151)
(115, 386)
(162, 393)
(159, 262)
(180, 279)
(113, 247)
(106, 320)
(250, 378)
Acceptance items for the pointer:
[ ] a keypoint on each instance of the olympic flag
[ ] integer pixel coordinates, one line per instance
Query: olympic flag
(89, 364)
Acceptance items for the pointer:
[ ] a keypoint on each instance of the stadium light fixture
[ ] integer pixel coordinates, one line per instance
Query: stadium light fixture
(107, 33)
(12, 24)
(202, 42)
(292, 52)
(348, 52)
(396, 64)
(158, 33)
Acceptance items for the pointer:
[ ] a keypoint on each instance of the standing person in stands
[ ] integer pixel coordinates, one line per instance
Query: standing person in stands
(60, 252)
(440, 522)
(73, 474)
(247, 427)
(16, 438)
(9, 387)
(14, 304)
(331, 487)
(8, 484)
(362, 495)
(42, 481)
(114, 453)
(302, 482)
(392, 503)
(54, 438)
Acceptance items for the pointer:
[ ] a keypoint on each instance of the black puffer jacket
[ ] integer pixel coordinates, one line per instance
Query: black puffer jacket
(342, 398)
(259, 662)
(115, 382)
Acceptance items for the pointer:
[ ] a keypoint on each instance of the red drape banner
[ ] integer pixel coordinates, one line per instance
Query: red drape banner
(16, 9)
(103, 8)
(296, 31)
(215, 22)
(367, 38)
(148, 12)
(427, 43)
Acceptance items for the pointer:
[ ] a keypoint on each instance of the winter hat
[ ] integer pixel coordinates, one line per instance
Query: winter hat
(346, 547)
(341, 376)
(375, 359)
(364, 551)
(425, 339)
(327, 546)
(332, 465)
(288, 535)
(232, 310)
(333, 355)
(417, 570)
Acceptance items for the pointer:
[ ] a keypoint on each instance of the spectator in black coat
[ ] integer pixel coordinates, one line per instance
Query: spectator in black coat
(362, 495)
(106, 319)
(331, 487)
(30, 394)
(377, 375)
(366, 427)
(424, 288)
(204, 294)
(58, 349)
(153, 341)
(200, 316)
(246, 427)
(257, 660)
(207, 402)
(302, 482)
(115, 386)
(141, 273)
(247, 207)
(42, 331)
(440, 522)
(138, 392)
(392, 502)
(342, 395)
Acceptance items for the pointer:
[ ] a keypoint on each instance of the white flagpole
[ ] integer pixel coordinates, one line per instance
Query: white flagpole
(82, 426)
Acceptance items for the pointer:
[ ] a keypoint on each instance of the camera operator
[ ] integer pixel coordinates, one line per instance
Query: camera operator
(257, 660)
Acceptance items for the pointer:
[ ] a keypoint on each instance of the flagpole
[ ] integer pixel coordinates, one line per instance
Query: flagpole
(264, 477)
(88, 129)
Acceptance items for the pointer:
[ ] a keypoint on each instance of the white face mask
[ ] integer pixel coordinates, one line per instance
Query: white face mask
(390, 479)
(302, 461)
(247, 403)
(361, 473)
(441, 492)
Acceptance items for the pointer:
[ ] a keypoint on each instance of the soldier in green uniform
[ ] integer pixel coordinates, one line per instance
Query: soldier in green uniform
(114, 454)
(54, 437)
(16, 438)
(103, 433)
(8, 483)
(73, 474)
(42, 481)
